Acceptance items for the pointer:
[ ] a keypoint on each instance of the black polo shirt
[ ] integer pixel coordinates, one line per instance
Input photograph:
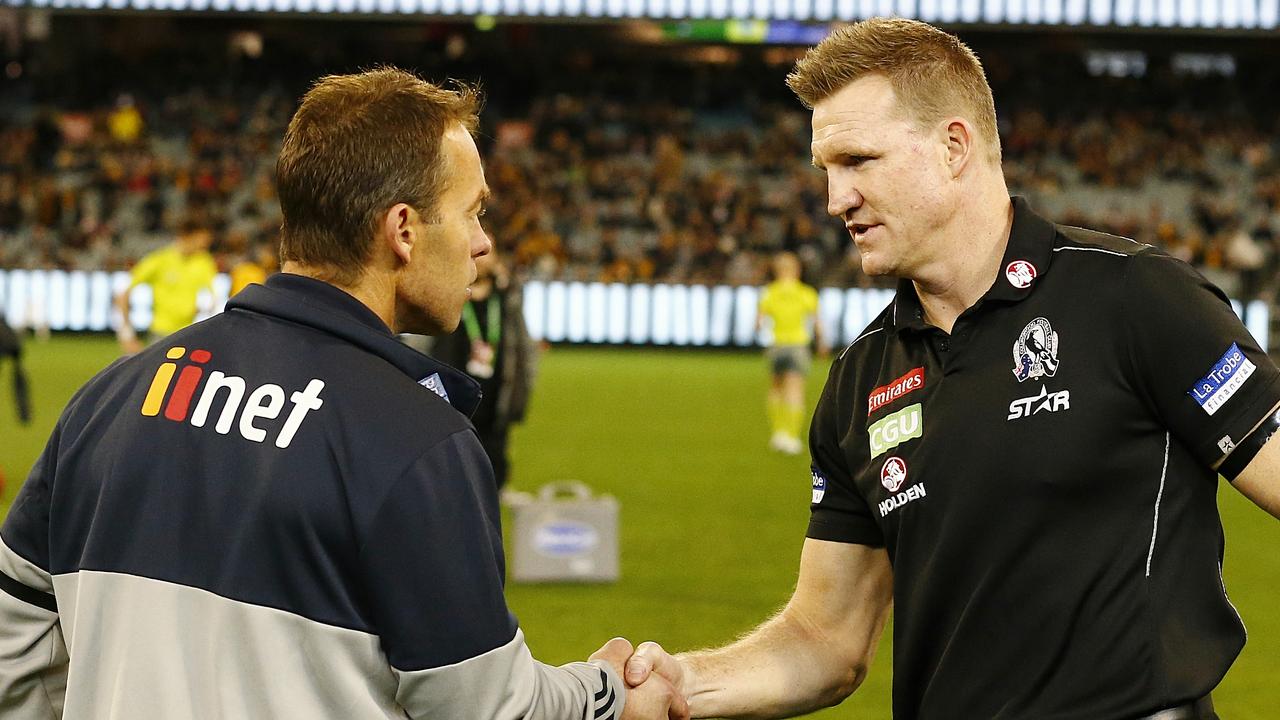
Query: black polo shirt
(1041, 480)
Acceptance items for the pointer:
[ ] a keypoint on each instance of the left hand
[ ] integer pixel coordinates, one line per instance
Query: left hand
(653, 699)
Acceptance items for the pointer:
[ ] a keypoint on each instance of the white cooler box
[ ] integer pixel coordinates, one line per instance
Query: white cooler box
(565, 533)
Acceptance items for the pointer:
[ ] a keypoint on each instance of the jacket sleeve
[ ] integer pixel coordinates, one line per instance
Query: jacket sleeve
(33, 652)
(433, 557)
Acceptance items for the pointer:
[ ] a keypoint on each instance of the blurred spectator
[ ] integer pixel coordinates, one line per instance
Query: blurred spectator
(11, 348)
(125, 122)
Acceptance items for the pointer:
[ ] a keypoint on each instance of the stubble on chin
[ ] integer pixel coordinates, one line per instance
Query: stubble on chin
(418, 321)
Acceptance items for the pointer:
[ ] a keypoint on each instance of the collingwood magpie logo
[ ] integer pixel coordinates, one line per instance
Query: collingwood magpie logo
(1035, 354)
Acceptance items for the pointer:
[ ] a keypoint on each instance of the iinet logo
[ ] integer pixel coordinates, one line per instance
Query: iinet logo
(264, 403)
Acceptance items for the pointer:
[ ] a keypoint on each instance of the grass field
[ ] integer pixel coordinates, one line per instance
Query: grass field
(712, 523)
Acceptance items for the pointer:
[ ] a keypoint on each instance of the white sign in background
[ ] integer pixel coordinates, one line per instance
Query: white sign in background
(558, 312)
(1228, 14)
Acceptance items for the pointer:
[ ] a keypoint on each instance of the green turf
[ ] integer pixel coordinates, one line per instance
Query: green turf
(712, 523)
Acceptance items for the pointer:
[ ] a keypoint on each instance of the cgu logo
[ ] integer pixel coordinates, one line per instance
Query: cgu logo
(265, 402)
(893, 430)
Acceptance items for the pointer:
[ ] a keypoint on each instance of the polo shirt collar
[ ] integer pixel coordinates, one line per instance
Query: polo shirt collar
(1028, 254)
(319, 305)
(1030, 247)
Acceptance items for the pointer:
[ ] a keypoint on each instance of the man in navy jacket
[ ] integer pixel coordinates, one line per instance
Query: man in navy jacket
(283, 512)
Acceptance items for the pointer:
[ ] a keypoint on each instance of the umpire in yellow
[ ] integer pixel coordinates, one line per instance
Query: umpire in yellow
(792, 308)
(176, 273)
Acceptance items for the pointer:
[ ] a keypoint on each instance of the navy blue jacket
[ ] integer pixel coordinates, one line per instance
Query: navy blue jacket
(280, 509)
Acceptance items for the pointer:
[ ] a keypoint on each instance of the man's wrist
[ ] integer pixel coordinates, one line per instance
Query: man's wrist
(687, 683)
(611, 697)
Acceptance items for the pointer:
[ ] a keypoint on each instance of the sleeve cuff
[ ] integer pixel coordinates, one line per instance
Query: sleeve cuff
(847, 530)
(1239, 458)
(609, 693)
(1231, 449)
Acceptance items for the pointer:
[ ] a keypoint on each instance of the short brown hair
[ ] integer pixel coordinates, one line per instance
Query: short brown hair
(357, 145)
(191, 226)
(932, 73)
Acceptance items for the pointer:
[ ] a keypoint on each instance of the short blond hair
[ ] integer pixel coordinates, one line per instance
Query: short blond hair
(932, 73)
(786, 263)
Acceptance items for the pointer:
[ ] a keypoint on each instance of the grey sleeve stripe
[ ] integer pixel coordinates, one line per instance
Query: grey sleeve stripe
(27, 595)
(506, 683)
(24, 571)
(33, 653)
(25, 581)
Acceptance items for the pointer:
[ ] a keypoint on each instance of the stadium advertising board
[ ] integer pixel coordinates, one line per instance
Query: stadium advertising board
(558, 312)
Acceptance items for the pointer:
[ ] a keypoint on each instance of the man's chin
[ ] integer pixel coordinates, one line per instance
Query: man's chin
(872, 267)
(424, 325)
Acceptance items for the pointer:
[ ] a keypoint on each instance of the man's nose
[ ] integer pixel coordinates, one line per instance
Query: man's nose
(842, 195)
(484, 246)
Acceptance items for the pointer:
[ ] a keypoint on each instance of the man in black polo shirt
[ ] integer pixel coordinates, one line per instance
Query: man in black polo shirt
(1020, 454)
(282, 512)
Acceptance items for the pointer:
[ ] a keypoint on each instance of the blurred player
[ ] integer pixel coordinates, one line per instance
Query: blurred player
(11, 347)
(792, 308)
(177, 274)
(493, 345)
(1020, 455)
(282, 512)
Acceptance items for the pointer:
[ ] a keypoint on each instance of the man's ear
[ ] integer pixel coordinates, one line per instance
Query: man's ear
(961, 147)
(398, 231)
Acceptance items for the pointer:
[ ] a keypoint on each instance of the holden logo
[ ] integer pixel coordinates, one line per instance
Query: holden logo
(565, 539)
(1020, 274)
(893, 474)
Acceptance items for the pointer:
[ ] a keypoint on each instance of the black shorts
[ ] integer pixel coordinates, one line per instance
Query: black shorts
(785, 359)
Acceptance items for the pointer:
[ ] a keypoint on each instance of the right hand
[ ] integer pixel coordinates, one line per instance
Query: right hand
(653, 698)
(650, 662)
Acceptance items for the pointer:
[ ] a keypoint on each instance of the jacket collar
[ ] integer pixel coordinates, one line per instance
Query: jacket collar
(1027, 257)
(319, 305)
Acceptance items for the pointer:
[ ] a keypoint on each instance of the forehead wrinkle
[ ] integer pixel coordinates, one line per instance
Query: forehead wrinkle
(869, 102)
(861, 132)
(844, 135)
(826, 124)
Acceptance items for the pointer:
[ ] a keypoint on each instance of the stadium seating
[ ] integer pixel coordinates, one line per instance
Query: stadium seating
(685, 173)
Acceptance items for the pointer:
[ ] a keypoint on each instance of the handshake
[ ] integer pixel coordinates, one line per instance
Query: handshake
(657, 681)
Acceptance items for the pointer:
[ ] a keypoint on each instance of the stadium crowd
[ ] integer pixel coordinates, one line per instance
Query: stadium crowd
(689, 181)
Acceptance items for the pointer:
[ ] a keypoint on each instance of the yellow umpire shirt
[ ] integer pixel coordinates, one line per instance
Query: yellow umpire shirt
(789, 303)
(175, 281)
